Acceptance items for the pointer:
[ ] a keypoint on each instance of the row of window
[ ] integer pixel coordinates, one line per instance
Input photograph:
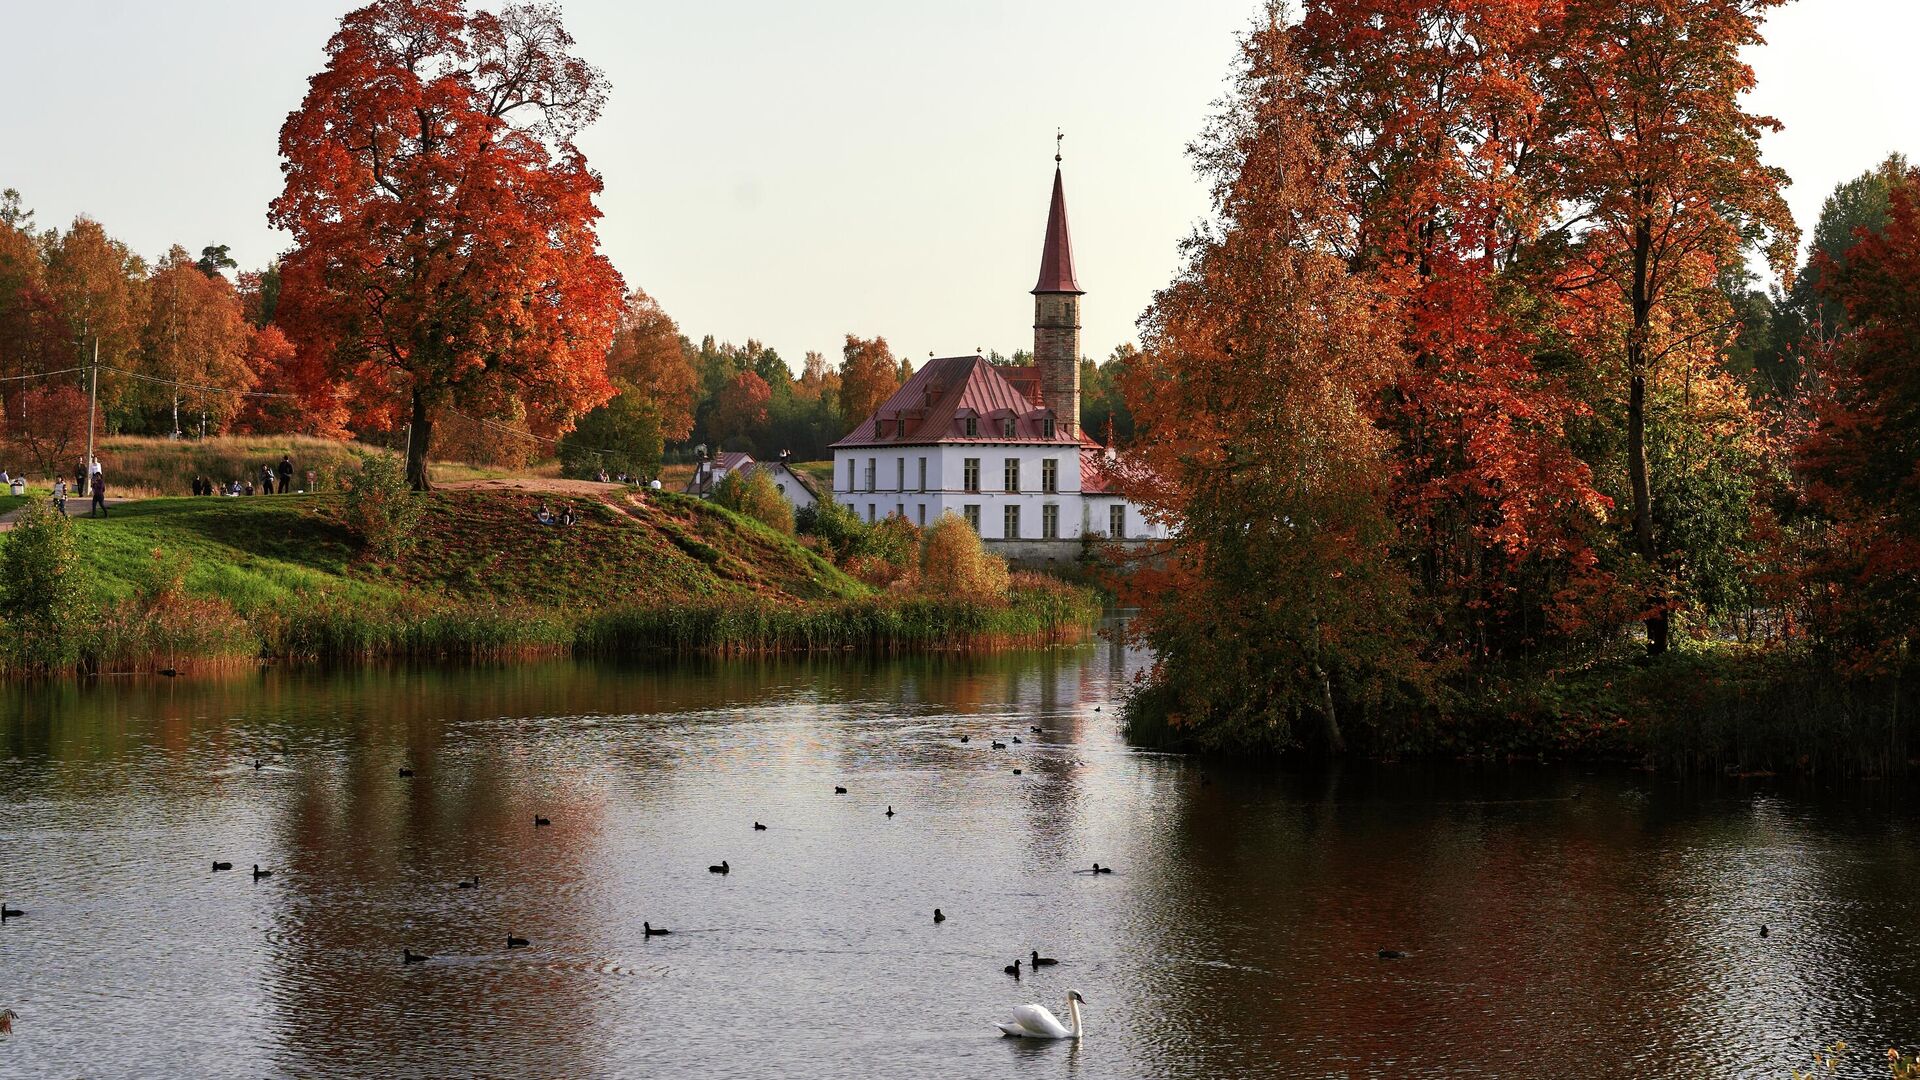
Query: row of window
(1009, 427)
(969, 475)
(1010, 519)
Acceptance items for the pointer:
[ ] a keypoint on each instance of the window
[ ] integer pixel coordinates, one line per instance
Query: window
(781, 488)
(1117, 521)
(850, 467)
(1050, 522)
(870, 470)
(1013, 474)
(1011, 519)
(971, 512)
(1049, 476)
(1046, 427)
(922, 514)
(923, 474)
(1006, 428)
(973, 427)
(870, 515)
(900, 511)
(970, 474)
(900, 469)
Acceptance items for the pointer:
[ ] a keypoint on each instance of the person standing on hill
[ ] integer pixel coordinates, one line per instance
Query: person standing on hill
(266, 479)
(80, 479)
(286, 473)
(99, 488)
(60, 494)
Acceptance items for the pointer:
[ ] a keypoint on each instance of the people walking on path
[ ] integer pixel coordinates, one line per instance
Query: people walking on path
(286, 473)
(80, 479)
(99, 489)
(60, 494)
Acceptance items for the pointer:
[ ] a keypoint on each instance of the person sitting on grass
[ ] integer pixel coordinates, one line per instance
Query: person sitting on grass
(545, 516)
(566, 516)
(18, 485)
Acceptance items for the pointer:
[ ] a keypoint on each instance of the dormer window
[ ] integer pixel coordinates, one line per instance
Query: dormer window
(1046, 426)
(1006, 428)
(972, 427)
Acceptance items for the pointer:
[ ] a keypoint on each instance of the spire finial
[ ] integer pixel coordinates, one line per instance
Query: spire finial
(1058, 137)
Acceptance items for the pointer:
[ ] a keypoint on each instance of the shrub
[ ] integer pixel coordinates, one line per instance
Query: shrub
(381, 509)
(953, 562)
(753, 493)
(162, 624)
(40, 592)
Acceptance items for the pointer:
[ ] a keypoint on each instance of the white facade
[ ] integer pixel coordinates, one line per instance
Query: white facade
(1045, 501)
(708, 474)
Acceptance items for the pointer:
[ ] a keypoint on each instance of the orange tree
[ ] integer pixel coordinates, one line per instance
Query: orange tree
(445, 253)
(1655, 168)
(1278, 603)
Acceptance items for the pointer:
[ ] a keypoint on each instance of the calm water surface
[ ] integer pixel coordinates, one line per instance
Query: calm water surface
(1559, 922)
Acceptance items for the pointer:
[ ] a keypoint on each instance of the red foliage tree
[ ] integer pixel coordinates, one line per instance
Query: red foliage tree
(1859, 460)
(648, 354)
(443, 219)
(740, 410)
(1437, 105)
(48, 424)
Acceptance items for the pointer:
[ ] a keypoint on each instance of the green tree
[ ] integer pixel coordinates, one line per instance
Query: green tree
(382, 508)
(40, 590)
(1855, 206)
(752, 492)
(622, 436)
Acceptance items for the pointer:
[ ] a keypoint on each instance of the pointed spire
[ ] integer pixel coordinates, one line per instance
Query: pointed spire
(1056, 258)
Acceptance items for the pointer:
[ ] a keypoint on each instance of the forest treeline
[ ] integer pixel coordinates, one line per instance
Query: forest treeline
(189, 344)
(1469, 383)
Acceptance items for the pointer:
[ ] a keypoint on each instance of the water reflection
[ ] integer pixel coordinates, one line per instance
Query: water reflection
(1556, 921)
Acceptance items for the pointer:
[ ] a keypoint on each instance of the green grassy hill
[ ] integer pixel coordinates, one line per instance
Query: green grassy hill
(473, 547)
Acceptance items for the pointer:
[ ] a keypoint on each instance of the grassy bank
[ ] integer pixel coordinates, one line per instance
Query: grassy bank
(282, 577)
(1716, 707)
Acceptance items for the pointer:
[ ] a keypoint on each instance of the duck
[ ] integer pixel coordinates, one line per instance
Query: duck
(889, 809)
(1042, 961)
(516, 942)
(1392, 954)
(966, 738)
(1013, 969)
(839, 790)
(1763, 930)
(470, 883)
(10, 913)
(757, 827)
(539, 821)
(218, 866)
(1016, 772)
(938, 918)
(1016, 738)
(1098, 869)
(258, 764)
(723, 868)
(1035, 1022)
(1035, 729)
(998, 745)
(169, 672)
(405, 772)
(651, 931)
(408, 956)
(259, 873)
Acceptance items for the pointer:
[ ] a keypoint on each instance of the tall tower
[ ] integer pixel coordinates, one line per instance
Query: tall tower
(1056, 317)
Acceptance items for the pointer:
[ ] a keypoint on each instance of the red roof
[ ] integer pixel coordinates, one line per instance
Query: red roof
(1096, 472)
(1056, 258)
(937, 401)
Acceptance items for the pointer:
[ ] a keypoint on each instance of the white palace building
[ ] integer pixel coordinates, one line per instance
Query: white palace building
(999, 446)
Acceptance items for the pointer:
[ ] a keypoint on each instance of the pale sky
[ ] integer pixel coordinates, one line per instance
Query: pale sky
(794, 172)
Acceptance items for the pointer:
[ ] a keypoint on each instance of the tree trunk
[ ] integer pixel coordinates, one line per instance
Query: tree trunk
(417, 438)
(1643, 500)
(1336, 743)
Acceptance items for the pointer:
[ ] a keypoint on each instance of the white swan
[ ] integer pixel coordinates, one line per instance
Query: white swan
(1035, 1022)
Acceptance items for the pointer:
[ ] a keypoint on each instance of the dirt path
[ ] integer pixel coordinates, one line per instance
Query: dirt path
(75, 508)
(539, 484)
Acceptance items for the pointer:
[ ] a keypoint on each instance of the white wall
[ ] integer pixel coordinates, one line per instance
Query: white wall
(944, 491)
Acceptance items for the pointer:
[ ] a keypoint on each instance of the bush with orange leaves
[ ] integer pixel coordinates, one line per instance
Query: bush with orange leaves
(954, 563)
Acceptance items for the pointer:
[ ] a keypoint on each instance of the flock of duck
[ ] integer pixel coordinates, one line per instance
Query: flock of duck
(1029, 1021)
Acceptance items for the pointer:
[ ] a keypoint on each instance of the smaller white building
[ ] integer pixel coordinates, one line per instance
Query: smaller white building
(796, 486)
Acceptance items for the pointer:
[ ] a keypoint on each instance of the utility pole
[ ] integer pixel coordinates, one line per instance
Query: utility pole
(93, 402)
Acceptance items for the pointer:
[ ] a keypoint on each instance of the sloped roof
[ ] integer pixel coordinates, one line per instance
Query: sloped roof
(1096, 475)
(939, 397)
(1056, 256)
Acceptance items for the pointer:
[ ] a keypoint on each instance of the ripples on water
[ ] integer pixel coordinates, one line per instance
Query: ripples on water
(1559, 922)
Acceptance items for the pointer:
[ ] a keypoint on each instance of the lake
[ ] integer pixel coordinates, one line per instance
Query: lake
(1557, 921)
